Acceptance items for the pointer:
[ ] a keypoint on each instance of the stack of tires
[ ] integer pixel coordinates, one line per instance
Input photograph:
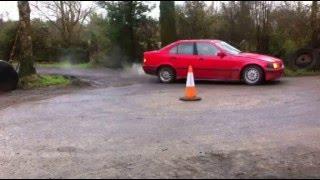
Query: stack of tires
(8, 77)
(306, 59)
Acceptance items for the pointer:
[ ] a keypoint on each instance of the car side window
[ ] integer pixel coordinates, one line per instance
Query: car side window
(174, 50)
(206, 49)
(186, 49)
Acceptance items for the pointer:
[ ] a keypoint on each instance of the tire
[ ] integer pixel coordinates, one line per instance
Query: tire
(8, 77)
(253, 75)
(316, 55)
(305, 58)
(166, 75)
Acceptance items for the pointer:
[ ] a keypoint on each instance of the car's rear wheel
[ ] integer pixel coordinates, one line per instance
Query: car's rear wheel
(166, 75)
(253, 75)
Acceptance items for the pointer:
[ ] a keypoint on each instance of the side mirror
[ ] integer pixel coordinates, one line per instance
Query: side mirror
(222, 54)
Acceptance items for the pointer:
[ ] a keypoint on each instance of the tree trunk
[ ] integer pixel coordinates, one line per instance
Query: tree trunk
(13, 52)
(167, 22)
(314, 25)
(26, 61)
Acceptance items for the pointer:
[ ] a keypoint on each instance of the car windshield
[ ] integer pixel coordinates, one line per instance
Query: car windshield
(228, 48)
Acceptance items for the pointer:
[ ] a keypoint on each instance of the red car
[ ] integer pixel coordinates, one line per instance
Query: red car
(212, 60)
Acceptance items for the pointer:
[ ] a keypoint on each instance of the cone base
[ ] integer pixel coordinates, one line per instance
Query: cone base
(190, 98)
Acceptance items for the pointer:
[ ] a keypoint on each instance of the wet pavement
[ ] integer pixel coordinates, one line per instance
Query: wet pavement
(141, 130)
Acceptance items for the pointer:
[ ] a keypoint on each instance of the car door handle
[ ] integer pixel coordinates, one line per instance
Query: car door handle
(173, 58)
(201, 59)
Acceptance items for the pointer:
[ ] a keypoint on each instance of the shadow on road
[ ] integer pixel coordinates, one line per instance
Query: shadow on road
(216, 82)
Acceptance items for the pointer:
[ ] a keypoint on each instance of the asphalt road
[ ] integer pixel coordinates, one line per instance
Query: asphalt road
(142, 130)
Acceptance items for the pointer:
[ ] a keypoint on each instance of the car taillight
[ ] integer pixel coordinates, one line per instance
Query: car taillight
(144, 60)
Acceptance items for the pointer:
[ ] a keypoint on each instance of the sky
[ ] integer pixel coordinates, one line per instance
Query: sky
(9, 10)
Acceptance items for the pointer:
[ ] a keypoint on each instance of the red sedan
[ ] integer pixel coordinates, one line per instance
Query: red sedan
(212, 60)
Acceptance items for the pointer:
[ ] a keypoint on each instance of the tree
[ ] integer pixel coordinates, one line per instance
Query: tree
(149, 29)
(8, 34)
(26, 60)
(168, 30)
(229, 16)
(245, 25)
(194, 20)
(237, 23)
(124, 19)
(262, 19)
(97, 37)
(290, 30)
(315, 36)
(67, 16)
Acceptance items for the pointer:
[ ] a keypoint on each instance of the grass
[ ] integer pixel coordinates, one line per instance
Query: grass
(38, 81)
(295, 73)
(66, 65)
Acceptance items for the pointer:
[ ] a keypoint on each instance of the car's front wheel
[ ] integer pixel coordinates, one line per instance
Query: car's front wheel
(166, 75)
(253, 75)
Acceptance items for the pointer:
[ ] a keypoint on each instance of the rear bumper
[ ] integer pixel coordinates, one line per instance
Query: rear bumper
(274, 74)
(150, 70)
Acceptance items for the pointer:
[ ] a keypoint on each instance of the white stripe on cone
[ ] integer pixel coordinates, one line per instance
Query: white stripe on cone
(190, 80)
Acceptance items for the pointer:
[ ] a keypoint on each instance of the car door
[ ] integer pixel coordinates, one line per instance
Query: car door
(181, 56)
(208, 65)
(206, 62)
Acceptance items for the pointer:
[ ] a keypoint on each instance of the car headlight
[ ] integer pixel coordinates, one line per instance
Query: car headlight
(276, 65)
(273, 65)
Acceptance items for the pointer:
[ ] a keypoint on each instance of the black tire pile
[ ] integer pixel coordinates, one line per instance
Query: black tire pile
(314, 54)
(8, 77)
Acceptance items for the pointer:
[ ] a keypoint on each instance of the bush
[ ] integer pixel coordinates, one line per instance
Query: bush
(73, 55)
(293, 73)
(114, 59)
(66, 65)
(37, 81)
(41, 41)
(7, 36)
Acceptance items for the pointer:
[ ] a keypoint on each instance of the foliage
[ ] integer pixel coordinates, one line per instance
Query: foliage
(8, 32)
(38, 81)
(126, 30)
(67, 17)
(294, 73)
(66, 65)
(193, 20)
(290, 28)
(262, 26)
(167, 22)
(98, 41)
(124, 20)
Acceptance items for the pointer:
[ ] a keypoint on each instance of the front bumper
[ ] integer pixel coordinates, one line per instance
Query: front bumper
(274, 74)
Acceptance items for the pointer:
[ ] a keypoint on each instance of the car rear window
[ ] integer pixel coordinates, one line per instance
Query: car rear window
(174, 50)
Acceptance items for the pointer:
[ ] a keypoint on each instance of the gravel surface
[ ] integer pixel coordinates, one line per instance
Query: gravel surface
(131, 126)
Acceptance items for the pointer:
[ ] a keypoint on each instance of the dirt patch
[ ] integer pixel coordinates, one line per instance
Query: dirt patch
(80, 79)
(67, 149)
(288, 163)
(21, 96)
(292, 162)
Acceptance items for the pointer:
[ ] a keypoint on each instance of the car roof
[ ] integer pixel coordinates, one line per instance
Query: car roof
(190, 41)
(198, 40)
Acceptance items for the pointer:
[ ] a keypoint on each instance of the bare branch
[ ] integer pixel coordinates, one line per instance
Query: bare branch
(67, 16)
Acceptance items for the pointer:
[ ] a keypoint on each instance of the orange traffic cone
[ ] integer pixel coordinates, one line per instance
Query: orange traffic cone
(191, 91)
